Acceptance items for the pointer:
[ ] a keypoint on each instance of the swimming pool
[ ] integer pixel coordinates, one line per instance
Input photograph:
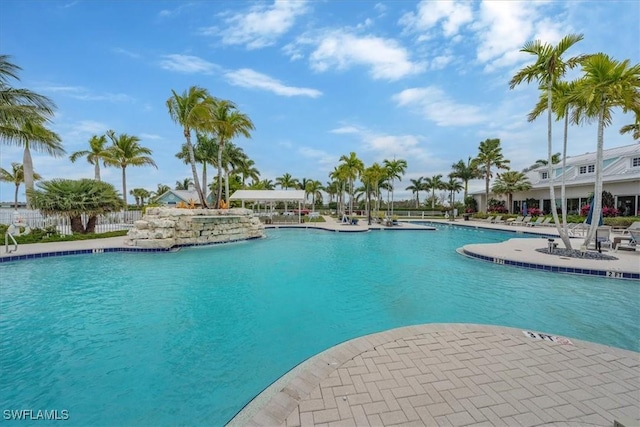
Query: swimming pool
(190, 337)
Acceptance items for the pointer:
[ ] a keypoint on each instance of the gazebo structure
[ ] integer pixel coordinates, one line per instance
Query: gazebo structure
(269, 197)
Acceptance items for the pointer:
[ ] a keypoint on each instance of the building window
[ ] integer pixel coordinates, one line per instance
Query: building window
(587, 169)
(635, 162)
(544, 175)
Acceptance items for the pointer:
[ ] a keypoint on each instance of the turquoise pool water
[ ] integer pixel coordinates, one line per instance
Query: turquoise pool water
(190, 337)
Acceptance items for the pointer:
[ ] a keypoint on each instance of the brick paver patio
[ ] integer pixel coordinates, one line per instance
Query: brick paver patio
(455, 375)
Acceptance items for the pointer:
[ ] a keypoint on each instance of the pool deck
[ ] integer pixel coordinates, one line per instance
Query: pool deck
(454, 375)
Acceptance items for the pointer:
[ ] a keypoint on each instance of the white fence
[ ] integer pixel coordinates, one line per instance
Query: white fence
(110, 222)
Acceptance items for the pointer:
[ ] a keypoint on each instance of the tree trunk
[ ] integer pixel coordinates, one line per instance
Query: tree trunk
(433, 198)
(194, 171)
(486, 188)
(597, 197)
(124, 187)
(563, 194)
(91, 224)
(226, 187)
(204, 178)
(76, 225)
(15, 197)
(96, 169)
(219, 195)
(392, 182)
(27, 165)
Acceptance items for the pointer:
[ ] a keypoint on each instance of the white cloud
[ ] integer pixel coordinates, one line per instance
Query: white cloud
(248, 78)
(451, 15)
(436, 106)
(504, 27)
(187, 64)
(261, 25)
(84, 94)
(346, 129)
(125, 52)
(150, 136)
(322, 157)
(341, 50)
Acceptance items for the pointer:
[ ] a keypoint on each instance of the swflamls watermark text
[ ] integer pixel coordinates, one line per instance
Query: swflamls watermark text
(35, 415)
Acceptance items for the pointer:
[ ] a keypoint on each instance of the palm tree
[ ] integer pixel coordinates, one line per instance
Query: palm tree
(353, 168)
(16, 176)
(605, 85)
(18, 106)
(331, 188)
(162, 188)
(73, 198)
(489, 154)
(193, 111)
(453, 186)
(205, 151)
(227, 123)
(248, 170)
(555, 159)
(340, 174)
(434, 183)
(416, 186)
(546, 70)
(97, 152)
(633, 129)
(376, 174)
(286, 182)
(314, 188)
(562, 104)
(232, 160)
(395, 169)
(184, 184)
(466, 172)
(510, 182)
(139, 194)
(125, 151)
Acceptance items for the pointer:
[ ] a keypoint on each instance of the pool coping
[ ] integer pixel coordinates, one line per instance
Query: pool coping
(284, 401)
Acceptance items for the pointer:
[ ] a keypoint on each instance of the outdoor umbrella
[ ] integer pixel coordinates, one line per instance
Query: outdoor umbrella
(590, 215)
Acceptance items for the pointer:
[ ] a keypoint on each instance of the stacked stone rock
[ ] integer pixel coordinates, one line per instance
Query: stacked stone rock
(169, 227)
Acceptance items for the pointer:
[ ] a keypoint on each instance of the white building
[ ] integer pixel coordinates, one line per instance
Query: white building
(620, 177)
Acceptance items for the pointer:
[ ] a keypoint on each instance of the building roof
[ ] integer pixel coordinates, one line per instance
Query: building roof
(268, 195)
(181, 195)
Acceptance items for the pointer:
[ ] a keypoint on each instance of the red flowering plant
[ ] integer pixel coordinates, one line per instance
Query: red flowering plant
(534, 211)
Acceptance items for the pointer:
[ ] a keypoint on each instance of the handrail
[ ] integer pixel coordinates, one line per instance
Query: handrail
(6, 243)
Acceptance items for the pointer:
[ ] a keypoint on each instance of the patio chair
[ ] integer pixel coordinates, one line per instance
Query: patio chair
(603, 237)
(547, 222)
(512, 221)
(538, 221)
(488, 219)
(497, 220)
(633, 243)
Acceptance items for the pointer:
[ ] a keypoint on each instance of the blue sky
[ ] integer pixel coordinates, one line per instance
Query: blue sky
(425, 81)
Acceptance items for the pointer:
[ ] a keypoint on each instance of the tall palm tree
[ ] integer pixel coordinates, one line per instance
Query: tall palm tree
(36, 136)
(331, 188)
(248, 170)
(510, 182)
(489, 154)
(314, 188)
(606, 84)
(96, 153)
(205, 151)
(16, 176)
(549, 66)
(434, 183)
(126, 151)
(17, 106)
(340, 174)
(193, 112)
(466, 172)
(395, 169)
(286, 181)
(416, 186)
(227, 123)
(453, 186)
(353, 168)
(376, 174)
(233, 158)
(561, 104)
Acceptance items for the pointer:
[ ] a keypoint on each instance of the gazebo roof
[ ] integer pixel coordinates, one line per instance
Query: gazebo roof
(268, 195)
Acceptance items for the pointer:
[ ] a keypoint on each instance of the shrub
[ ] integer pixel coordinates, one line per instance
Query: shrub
(606, 211)
(534, 211)
(498, 209)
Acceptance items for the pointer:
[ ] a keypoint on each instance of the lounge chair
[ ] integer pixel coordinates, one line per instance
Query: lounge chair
(488, 219)
(497, 220)
(633, 243)
(538, 221)
(512, 221)
(547, 222)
